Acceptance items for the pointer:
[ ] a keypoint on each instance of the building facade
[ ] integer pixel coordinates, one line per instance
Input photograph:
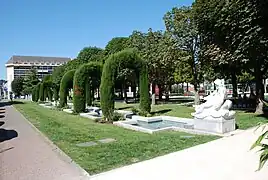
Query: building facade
(19, 66)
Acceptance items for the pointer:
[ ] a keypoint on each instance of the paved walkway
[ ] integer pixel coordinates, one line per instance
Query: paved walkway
(29, 156)
(228, 158)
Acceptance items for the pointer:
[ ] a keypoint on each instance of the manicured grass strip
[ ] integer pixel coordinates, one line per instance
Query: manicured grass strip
(67, 130)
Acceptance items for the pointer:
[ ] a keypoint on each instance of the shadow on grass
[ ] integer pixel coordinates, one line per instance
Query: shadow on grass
(126, 107)
(265, 115)
(6, 135)
(162, 111)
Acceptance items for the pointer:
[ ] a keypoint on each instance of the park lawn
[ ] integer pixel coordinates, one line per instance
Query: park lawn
(66, 130)
(161, 109)
(244, 120)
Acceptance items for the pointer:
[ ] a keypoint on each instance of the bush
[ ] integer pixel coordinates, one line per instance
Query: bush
(56, 93)
(89, 95)
(50, 94)
(135, 111)
(140, 112)
(34, 94)
(41, 92)
(37, 92)
(45, 93)
(125, 59)
(87, 73)
(65, 85)
(117, 117)
(96, 104)
(143, 113)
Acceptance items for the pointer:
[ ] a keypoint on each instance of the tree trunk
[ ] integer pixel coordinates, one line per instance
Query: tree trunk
(133, 89)
(196, 98)
(167, 93)
(153, 94)
(121, 92)
(234, 83)
(187, 87)
(93, 94)
(88, 95)
(160, 87)
(125, 93)
(259, 90)
(98, 91)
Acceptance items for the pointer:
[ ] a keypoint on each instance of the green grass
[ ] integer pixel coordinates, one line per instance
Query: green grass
(244, 120)
(162, 109)
(66, 130)
(247, 120)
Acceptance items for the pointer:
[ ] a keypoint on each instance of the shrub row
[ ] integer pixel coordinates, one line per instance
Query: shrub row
(125, 59)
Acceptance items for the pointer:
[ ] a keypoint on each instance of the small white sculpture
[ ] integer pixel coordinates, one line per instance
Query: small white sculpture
(215, 105)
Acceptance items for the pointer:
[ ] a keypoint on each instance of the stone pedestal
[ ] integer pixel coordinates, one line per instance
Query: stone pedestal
(216, 125)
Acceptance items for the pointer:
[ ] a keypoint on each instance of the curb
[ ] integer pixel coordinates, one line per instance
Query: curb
(85, 175)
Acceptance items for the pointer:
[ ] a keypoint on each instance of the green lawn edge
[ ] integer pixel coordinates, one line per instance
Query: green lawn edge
(66, 130)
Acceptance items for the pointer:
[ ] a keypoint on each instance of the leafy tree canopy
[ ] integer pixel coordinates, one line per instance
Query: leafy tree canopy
(30, 81)
(89, 54)
(17, 86)
(116, 44)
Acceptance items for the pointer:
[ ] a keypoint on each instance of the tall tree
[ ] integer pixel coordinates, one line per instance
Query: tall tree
(30, 80)
(180, 23)
(89, 54)
(234, 31)
(17, 86)
(116, 44)
(157, 49)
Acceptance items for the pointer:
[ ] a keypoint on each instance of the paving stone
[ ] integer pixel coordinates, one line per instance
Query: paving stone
(107, 140)
(87, 144)
(186, 136)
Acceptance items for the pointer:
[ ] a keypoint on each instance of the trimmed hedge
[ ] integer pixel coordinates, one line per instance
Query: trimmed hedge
(45, 92)
(41, 92)
(89, 97)
(56, 93)
(127, 58)
(49, 94)
(34, 94)
(37, 92)
(65, 85)
(85, 77)
(47, 89)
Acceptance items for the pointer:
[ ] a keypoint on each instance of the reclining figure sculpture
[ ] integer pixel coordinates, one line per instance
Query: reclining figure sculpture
(215, 106)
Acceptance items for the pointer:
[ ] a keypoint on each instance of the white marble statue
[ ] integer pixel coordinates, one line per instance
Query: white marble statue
(215, 105)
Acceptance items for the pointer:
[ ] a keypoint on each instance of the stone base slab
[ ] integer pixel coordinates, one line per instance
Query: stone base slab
(216, 125)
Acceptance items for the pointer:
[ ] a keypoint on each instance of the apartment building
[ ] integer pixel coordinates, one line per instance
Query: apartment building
(19, 66)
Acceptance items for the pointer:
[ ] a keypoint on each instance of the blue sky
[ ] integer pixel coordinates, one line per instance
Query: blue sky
(63, 27)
